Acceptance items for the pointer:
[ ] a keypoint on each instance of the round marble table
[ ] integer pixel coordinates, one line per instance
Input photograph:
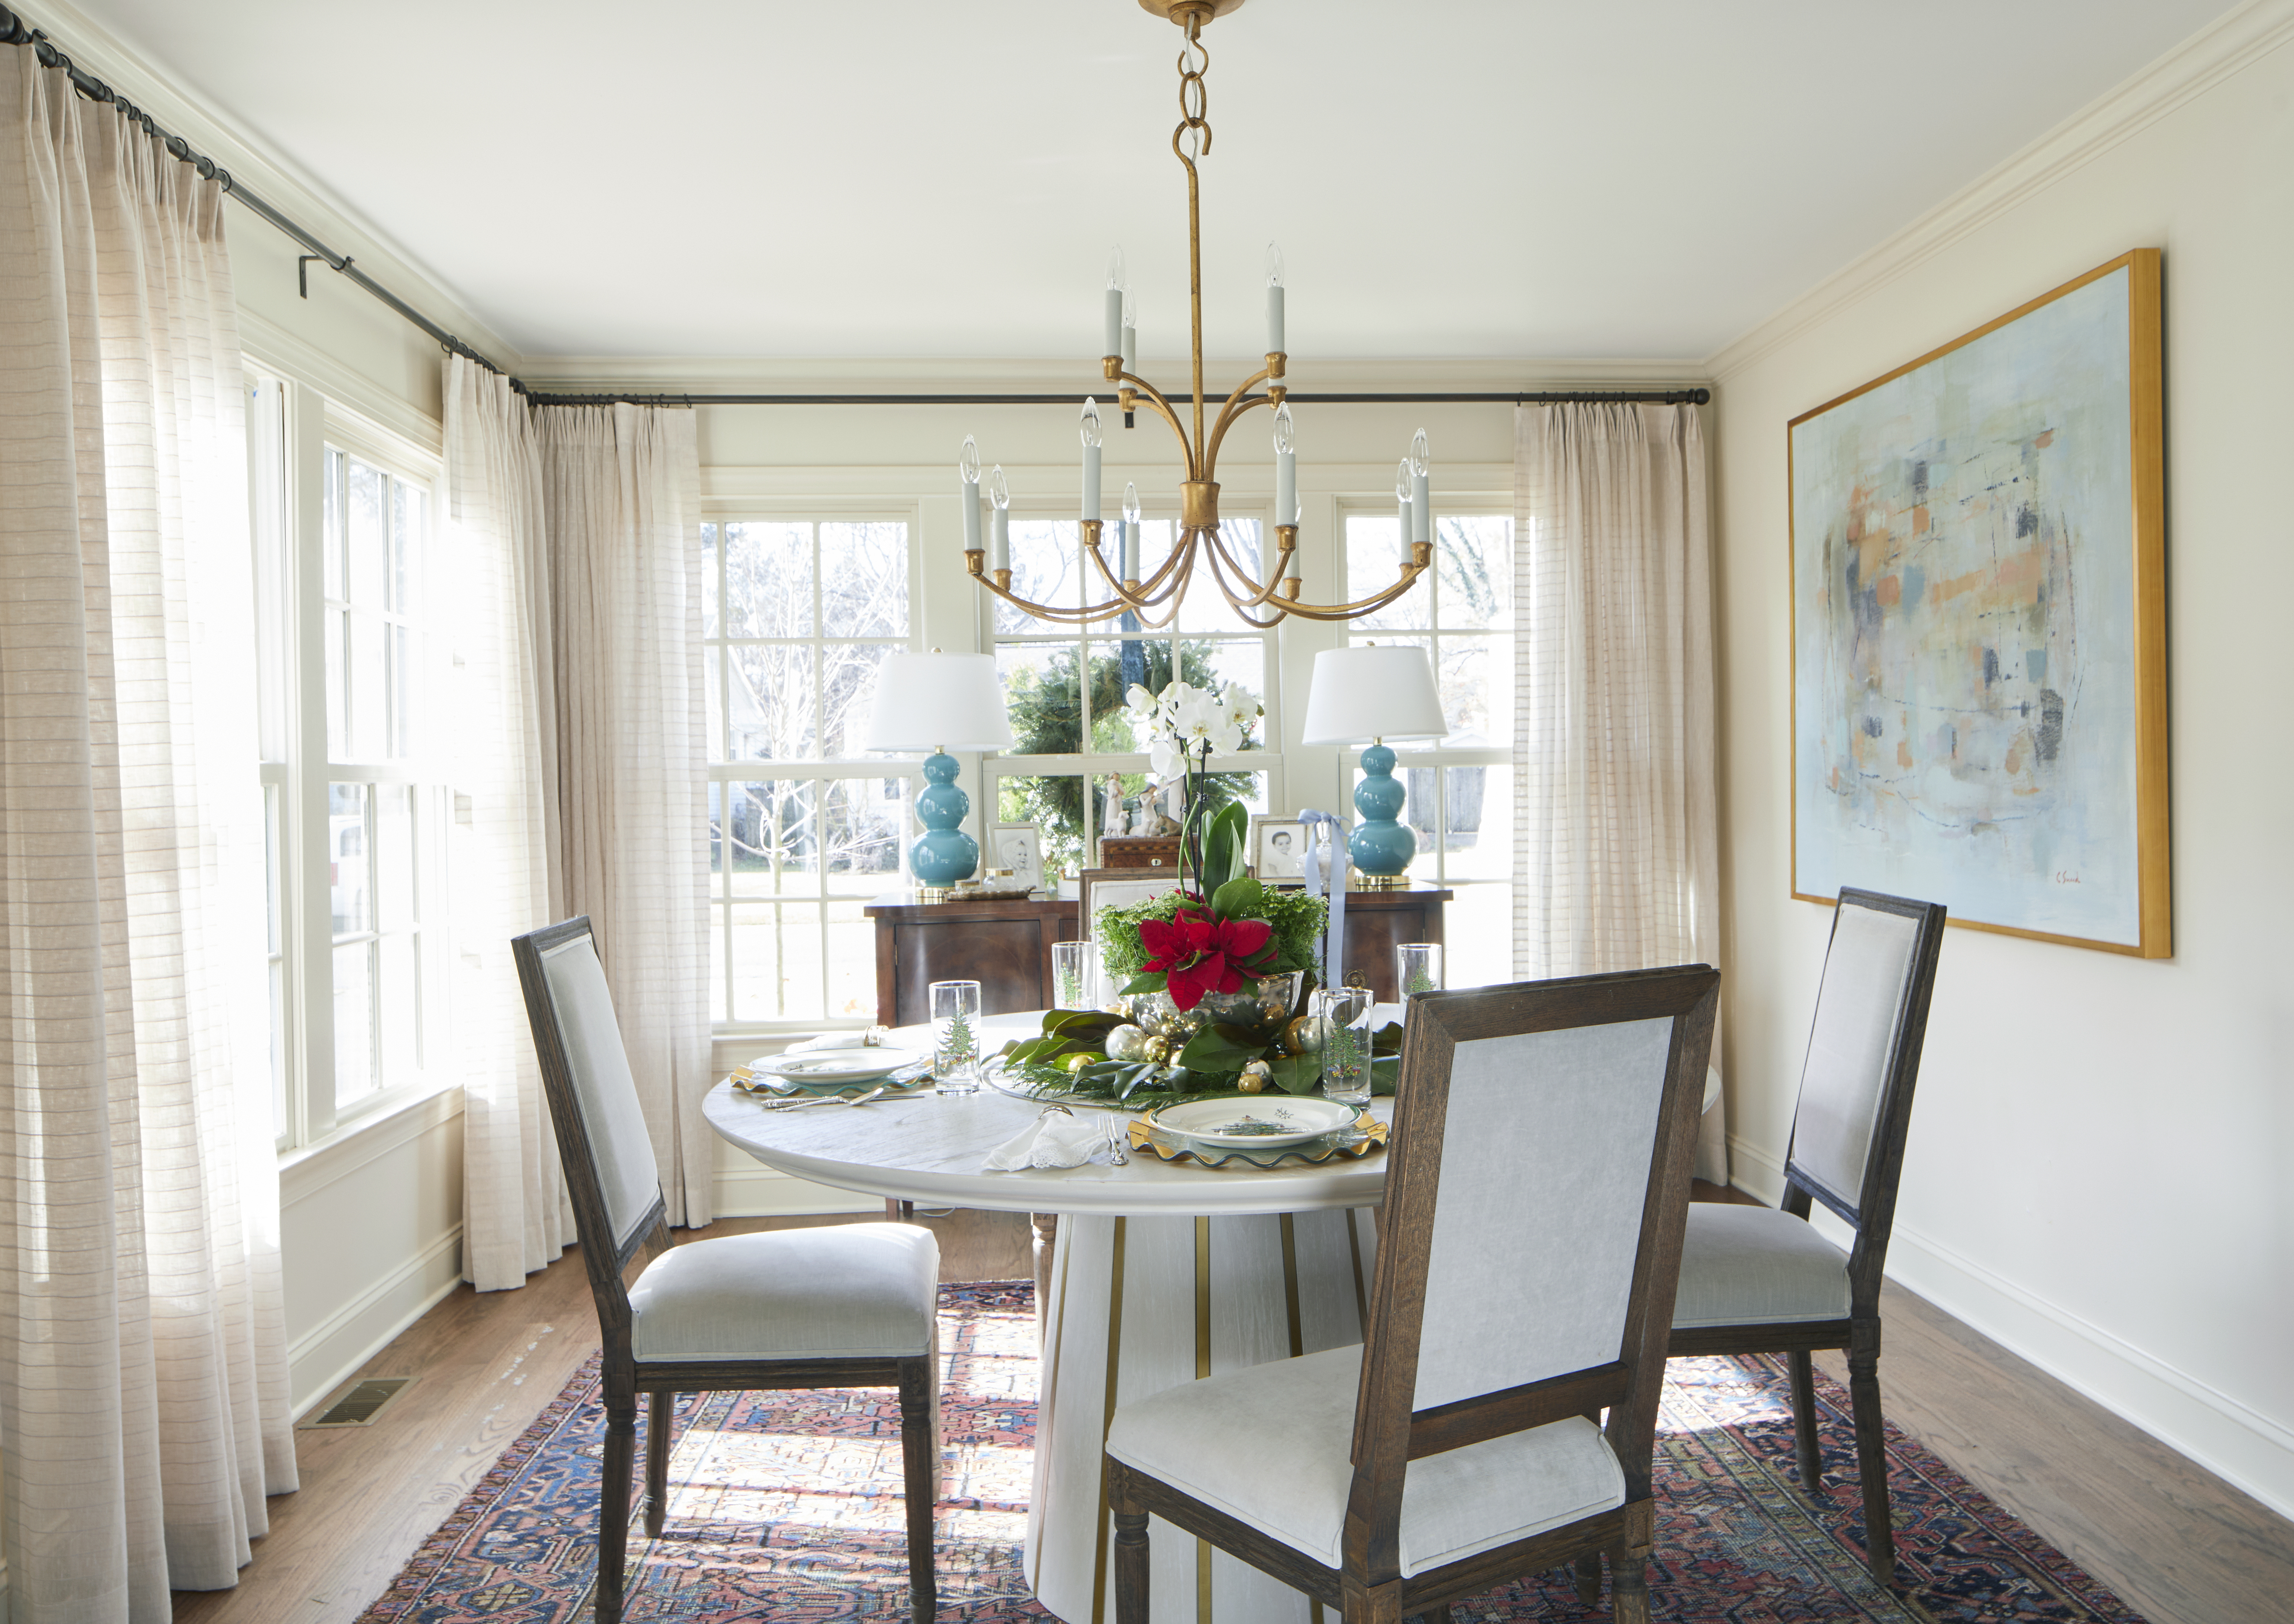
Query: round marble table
(1162, 1273)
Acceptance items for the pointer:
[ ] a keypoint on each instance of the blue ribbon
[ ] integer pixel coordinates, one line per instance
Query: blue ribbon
(1325, 834)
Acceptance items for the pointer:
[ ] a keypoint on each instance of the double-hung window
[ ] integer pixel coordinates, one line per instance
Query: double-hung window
(350, 649)
(1460, 788)
(804, 830)
(1077, 768)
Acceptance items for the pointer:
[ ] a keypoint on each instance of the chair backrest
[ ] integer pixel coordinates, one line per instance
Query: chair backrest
(1864, 1056)
(602, 1140)
(1101, 888)
(1536, 1193)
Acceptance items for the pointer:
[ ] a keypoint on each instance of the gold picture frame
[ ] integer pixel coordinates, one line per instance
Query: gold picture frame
(1979, 634)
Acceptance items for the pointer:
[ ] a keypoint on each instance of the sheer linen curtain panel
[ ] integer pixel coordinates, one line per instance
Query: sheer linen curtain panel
(143, 1397)
(622, 491)
(1616, 853)
(505, 854)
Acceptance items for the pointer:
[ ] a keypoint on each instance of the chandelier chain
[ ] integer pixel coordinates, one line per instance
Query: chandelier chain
(1154, 603)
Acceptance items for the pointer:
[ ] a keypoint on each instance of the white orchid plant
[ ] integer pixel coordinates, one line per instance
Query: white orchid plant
(1185, 727)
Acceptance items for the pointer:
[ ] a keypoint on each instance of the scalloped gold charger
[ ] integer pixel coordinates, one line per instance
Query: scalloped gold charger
(1143, 1137)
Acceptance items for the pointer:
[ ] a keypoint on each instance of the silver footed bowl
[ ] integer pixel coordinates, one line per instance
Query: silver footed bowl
(1260, 1010)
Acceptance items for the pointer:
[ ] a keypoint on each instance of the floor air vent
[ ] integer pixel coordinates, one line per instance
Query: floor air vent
(362, 1404)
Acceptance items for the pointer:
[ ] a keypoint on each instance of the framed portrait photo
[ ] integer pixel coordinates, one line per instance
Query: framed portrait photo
(1978, 679)
(1278, 851)
(1020, 847)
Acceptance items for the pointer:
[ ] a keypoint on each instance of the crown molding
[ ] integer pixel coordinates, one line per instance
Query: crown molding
(2233, 43)
(735, 375)
(267, 173)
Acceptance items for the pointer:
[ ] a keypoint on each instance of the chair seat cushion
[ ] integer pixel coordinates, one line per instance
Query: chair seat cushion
(855, 1290)
(1269, 1446)
(1756, 1265)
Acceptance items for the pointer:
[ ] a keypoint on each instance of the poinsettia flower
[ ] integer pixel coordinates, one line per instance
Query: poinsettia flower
(1199, 954)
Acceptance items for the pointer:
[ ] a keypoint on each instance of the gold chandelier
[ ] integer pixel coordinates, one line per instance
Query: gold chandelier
(1155, 600)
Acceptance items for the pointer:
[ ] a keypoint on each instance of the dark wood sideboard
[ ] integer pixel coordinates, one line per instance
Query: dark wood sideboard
(1006, 947)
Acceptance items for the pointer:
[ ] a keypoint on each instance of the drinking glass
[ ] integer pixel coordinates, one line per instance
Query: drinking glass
(1417, 968)
(1340, 1020)
(956, 1035)
(1075, 975)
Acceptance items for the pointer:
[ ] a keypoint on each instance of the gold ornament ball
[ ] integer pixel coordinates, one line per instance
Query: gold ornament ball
(1249, 1083)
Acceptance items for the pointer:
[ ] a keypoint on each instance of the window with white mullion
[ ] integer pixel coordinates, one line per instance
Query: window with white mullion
(1460, 788)
(804, 829)
(1074, 751)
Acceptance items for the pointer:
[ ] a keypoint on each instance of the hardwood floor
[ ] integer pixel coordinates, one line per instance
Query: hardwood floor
(2178, 1545)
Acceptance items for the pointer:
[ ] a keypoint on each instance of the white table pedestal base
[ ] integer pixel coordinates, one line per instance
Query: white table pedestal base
(1140, 1305)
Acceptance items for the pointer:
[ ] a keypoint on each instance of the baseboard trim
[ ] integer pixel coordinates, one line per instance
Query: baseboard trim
(2240, 1445)
(762, 1193)
(332, 1351)
(2244, 1448)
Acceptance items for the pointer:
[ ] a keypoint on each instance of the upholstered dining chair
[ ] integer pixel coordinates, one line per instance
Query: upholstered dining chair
(848, 1306)
(1757, 1279)
(1535, 1192)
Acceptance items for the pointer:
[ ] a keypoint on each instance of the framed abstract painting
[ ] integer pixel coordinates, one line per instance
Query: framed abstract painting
(1978, 625)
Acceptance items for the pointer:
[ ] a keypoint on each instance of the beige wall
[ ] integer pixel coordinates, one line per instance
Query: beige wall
(2098, 1168)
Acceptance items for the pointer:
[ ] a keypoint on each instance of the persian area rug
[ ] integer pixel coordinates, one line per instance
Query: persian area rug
(787, 1507)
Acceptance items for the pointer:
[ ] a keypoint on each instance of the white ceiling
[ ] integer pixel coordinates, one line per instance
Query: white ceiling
(917, 178)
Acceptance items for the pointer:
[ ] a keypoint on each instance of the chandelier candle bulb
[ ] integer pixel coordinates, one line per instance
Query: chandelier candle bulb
(1421, 494)
(1130, 533)
(1114, 304)
(1274, 300)
(1091, 504)
(999, 536)
(1286, 470)
(1402, 484)
(1130, 334)
(967, 468)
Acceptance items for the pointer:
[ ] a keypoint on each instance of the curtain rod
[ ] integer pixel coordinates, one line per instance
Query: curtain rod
(1664, 397)
(15, 31)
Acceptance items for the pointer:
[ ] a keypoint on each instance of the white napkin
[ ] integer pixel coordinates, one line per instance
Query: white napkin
(831, 1039)
(1056, 1139)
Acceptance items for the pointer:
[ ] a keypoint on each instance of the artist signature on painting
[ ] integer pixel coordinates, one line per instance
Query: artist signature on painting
(2064, 876)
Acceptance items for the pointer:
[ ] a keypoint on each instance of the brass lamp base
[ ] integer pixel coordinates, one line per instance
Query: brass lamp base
(1381, 883)
(932, 896)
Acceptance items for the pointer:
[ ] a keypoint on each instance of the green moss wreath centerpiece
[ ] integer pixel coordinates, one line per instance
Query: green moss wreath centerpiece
(1214, 974)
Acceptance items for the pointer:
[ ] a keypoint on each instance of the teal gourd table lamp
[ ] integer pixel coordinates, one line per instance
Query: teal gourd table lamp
(1368, 695)
(939, 702)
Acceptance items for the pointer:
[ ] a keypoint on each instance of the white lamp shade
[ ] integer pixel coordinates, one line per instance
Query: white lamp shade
(938, 702)
(1372, 692)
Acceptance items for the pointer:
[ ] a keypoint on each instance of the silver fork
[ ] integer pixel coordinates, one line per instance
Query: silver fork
(1118, 1151)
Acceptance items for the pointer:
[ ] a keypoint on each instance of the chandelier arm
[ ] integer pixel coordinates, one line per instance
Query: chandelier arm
(1260, 595)
(1360, 607)
(1123, 603)
(1162, 405)
(1243, 607)
(1239, 401)
(1236, 405)
(1140, 595)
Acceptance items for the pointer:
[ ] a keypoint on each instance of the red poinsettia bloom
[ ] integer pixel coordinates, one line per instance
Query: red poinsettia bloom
(1199, 954)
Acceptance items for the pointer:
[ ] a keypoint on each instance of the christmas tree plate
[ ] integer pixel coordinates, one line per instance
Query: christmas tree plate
(1252, 1121)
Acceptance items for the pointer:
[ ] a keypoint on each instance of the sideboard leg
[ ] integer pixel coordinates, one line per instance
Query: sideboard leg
(899, 1212)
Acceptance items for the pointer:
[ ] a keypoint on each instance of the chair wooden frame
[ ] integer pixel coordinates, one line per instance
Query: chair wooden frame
(1368, 1586)
(1872, 1215)
(625, 1378)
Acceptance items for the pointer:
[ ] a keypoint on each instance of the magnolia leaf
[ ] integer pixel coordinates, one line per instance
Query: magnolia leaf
(1295, 1074)
(1242, 897)
(1386, 1039)
(1383, 1072)
(1081, 1024)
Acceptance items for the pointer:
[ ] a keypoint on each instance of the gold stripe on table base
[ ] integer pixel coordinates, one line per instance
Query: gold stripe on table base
(1202, 1370)
(1107, 1420)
